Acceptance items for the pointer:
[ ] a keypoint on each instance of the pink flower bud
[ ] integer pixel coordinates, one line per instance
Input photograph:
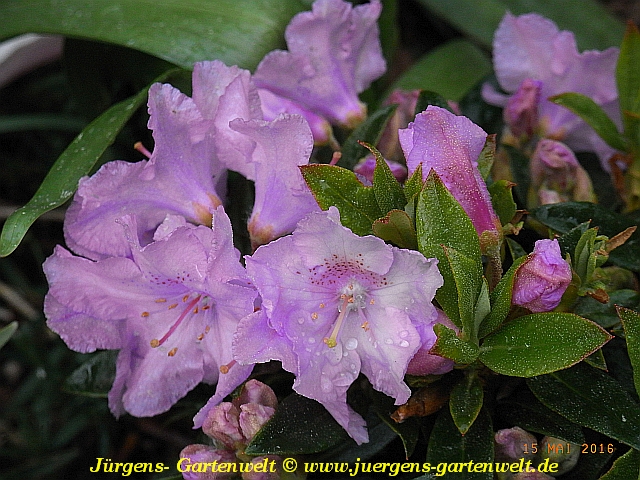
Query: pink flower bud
(252, 417)
(223, 424)
(203, 454)
(255, 391)
(512, 444)
(521, 112)
(542, 279)
(424, 363)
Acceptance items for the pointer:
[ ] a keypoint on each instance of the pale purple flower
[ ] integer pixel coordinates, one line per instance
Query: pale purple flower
(334, 305)
(334, 54)
(425, 363)
(171, 309)
(521, 111)
(450, 145)
(282, 197)
(542, 279)
(555, 168)
(530, 47)
(367, 165)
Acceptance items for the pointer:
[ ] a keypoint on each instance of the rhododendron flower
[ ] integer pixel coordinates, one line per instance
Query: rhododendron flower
(450, 145)
(171, 309)
(282, 197)
(425, 363)
(334, 305)
(531, 48)
(334, 54)
(542, 279)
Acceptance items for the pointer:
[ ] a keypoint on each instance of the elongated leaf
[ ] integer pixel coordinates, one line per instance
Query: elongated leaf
(465, 402)
(449, 70)
(627, 467)
(448, 345)
(541, 343)
(448, 445)
(387, 190)
(593, 114)
(502, 200)
(627, 73)
(76, 161)
(590, 397)
(7, 332)
(94, 377)
(593, 26)
(368, 131)
(337, 186)
(631, 324)
(238, 32)
(299, 425)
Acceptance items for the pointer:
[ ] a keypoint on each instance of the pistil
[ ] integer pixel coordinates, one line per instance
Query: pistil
(156, 343)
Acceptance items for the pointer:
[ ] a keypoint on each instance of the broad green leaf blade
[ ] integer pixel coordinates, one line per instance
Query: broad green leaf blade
(447, 446)
(368, 131)
(299, 426)
(238, 32)
(414, 184)
(631, 324)
(541, 343)
(448, 345)
(626, 467)
(627, 72)
(387, 190)
(465, 402)
(337, 186)
(593, 25)
(396, 227)
(590, 397)
(450, 70)
(75, 162)
(593, 114)
(94, 377)
(502, 200)
(7, 332)
(487, 156)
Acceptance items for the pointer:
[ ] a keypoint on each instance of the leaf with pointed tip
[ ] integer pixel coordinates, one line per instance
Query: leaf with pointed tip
(541, 343)
(627, 74)
(502, 200)
(448, 345)
(465, 401)
(7, 332)
(386, 188)
(487, 156)
(396, 227)
(631, 324)
(626, 467)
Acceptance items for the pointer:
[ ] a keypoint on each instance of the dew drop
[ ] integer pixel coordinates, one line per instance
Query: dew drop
(325, 384)
(312, 340)
(404, 343)
(388, 341)
(300, 320)
(351, 344)
(403, 333)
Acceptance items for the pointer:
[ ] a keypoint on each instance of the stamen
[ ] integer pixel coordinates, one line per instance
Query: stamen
(172, 352)
(144, 314)
(141, 148)
(335, 158)
(161, 300)
(365, 326)
(332, 340)
(227, 367)
(156, 343)
(172, 306)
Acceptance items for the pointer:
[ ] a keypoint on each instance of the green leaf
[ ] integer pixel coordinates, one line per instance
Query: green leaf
(448, 445)
(626, 467)
(238, 32)
(7, 332)
(604, 314)
(95, 376)
(487, 156)
(75, 162)
(369, 132)
(628, 74)
(337, 186)
(427, 97)
(631, 324)
(500, 300)
(396, 227)
(414, 184)
(502, 200)
(590, 397)
(450, 69)
(465, 401)
(593, 115)
(533, 416)
(299, 426)
(408, 430)
(387, 190)
(562, 217)
(541, 343)
(448, 345)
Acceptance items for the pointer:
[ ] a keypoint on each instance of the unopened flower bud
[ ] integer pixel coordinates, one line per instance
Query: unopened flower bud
(424, 363)
(542, 279)
(203, 454)
(263, 468)
(255, 391)
(512, 444)
(521, 112)
(554, 168)
(252, 417)
(222, 424)
(558, 451)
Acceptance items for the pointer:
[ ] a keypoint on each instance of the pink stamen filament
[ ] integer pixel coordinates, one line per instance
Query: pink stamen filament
(227, 367)
(331, 341)
(156, 343)
(141, 148)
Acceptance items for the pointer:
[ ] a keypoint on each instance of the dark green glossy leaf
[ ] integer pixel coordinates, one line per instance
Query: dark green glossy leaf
(238, 32)
(626, 467)
(299, 426)
(628, 74)
(465, 401)
(533, 416)
(94, 377)
(396, 227)
(631, 324)
(569, 240)
(450, 70)
(448, 345)
(520, 168)
(427, 97)
(594, 27)
(515, 249)
(448, 445)
(604, 314)
(590, 397)
(597, 360)
(368, 131)
(593, 114)
(337, 186)
(387, 190)
(380, 435)
(7, 332)
(76, 161)
(541, 343)
(562, 217)
(502, 200)
(408, 430)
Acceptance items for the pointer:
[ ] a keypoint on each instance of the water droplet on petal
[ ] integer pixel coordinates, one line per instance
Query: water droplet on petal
(351, 344)
(404, 343)
(388, 341)
(403, 333)
(325, 384)
(301, 320)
